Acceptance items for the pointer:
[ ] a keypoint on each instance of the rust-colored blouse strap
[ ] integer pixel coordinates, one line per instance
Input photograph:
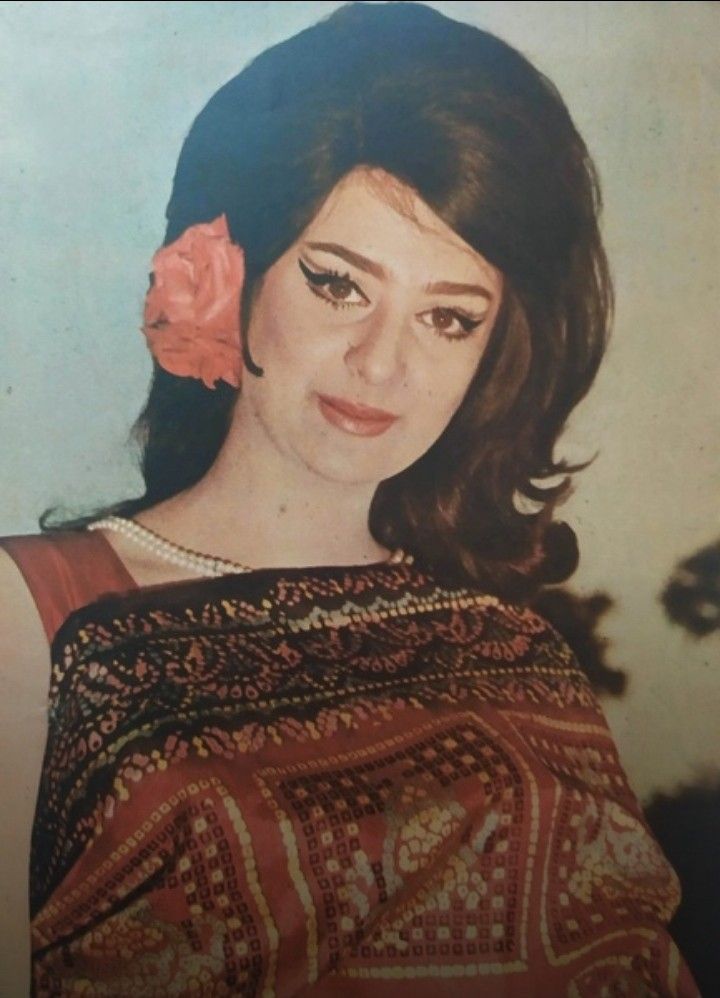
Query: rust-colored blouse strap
(67, 570)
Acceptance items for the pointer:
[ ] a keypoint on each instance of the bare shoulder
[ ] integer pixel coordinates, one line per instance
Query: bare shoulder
(24, 681)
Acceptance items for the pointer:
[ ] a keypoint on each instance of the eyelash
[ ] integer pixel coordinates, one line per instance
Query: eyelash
(325, 277)
(317, 280)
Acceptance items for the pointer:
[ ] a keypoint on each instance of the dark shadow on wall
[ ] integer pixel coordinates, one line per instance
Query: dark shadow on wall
(687, 826)
(577, 619)
(692, 595)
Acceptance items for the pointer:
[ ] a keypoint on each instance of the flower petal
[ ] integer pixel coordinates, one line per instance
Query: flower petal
(192, 309)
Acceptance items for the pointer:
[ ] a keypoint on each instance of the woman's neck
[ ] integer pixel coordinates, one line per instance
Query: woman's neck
(259, 508)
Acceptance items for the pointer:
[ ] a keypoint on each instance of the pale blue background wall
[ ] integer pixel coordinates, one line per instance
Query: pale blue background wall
(95, 100)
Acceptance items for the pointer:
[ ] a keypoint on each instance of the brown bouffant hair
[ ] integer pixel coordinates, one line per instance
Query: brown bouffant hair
(488, 144)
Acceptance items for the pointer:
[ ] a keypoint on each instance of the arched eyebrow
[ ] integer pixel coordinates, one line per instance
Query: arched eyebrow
(453, 288)
(373, 268)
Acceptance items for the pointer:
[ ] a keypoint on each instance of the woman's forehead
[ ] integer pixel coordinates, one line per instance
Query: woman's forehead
(373, 213)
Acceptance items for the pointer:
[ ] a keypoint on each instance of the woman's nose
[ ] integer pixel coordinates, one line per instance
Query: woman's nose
(377, 352)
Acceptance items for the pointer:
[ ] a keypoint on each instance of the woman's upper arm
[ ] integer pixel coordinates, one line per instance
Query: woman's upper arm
(24, 682)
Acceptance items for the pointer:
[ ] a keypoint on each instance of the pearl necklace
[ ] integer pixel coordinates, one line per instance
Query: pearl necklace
(200, 564)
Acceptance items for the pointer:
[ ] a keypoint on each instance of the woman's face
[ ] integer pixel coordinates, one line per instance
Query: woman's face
(369, 330)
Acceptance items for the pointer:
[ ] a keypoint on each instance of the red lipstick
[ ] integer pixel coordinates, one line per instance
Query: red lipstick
(352, 417)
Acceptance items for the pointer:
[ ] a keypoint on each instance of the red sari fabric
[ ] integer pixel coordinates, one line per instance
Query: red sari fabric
(334, 781)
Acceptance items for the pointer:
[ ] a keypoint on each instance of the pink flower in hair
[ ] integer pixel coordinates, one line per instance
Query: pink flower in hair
(192, 310)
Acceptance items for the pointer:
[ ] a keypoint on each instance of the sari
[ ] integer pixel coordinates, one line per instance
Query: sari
(356, 780)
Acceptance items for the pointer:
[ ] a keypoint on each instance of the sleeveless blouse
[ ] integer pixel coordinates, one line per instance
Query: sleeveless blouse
(328, 781)
(67, 571)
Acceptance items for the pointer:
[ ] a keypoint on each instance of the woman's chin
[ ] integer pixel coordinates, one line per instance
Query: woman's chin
(350, 466)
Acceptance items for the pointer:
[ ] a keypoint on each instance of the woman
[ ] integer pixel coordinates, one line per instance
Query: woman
(304, 736)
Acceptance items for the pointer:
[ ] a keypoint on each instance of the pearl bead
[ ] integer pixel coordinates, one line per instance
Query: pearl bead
(174, 554)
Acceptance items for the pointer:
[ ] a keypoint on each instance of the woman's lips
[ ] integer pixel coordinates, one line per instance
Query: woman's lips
(360, 420)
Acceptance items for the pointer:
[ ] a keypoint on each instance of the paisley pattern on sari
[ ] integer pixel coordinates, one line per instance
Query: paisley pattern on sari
(337, 781)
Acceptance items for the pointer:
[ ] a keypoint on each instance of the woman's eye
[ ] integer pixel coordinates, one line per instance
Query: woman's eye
(450, 323)
(338, 290)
